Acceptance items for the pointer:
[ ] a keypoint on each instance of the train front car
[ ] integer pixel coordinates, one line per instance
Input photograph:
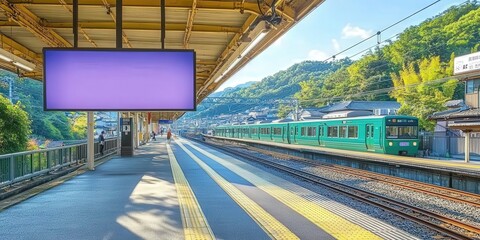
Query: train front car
(401, 135)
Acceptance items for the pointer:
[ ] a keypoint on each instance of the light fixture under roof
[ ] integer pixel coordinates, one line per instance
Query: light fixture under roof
(23, 66)
(15, 60)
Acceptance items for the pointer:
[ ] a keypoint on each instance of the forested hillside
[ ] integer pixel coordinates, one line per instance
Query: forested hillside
(412, 69)
(44, 125)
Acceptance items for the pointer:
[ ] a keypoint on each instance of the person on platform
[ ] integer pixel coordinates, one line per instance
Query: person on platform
(153, 136)
(169, 135)
(101, 139)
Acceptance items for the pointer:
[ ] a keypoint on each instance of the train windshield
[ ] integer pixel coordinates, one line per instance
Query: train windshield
(402, 132)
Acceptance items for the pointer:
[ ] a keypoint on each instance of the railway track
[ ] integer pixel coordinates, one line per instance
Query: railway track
(431, 189)
(446, 226)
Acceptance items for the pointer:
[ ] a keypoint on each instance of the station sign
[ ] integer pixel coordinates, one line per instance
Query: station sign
(467, 63)
(164, 121)
(401, 122)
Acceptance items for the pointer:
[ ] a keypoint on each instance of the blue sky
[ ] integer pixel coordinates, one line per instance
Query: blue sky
(334, 26)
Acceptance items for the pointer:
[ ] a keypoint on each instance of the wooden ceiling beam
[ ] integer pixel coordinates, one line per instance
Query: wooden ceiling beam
(188, 28)
(23, 17)
(249, 7)
(138, 26)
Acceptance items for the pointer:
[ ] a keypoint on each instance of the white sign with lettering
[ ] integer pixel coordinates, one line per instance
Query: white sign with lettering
(467, 63)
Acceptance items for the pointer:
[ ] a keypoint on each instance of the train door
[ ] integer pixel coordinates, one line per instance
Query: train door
(287, 132)
(292, 134)
(284, 130)
(369, 137)
(321, 142)
(295, 134)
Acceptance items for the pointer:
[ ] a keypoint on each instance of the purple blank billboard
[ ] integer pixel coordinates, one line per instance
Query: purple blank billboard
(87, 79)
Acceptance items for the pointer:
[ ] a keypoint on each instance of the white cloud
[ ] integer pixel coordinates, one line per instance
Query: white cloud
(317, 55)
(350, 31)
(336, 45)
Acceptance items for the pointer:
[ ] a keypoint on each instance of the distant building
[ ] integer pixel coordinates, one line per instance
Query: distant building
(347, 109)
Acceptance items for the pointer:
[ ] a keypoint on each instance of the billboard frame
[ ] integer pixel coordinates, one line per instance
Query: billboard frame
(194, 97)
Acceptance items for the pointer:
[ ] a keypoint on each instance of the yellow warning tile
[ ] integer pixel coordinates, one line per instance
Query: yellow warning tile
(194, 222)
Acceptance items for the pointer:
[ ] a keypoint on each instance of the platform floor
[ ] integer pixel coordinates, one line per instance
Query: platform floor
(184, 190)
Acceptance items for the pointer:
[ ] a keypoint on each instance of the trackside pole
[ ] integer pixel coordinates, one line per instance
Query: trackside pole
(90, 142)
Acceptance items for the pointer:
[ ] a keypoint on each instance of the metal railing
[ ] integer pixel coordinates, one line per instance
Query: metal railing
(16, 167)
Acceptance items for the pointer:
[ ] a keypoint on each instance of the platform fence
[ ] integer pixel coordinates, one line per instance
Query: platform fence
(448, 146)
(16, 167)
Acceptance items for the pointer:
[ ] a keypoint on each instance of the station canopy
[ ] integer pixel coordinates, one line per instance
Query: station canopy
(225, 35)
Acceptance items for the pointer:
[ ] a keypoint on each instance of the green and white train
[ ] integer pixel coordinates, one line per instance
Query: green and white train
(391, 134)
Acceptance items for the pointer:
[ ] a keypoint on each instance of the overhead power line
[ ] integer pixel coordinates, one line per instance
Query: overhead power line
(386, 28)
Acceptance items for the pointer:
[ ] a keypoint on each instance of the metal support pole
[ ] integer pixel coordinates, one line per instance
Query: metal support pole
(467, 147)
(119, 133)
(75, 23)
(90, 143)
(162, 3)
(135, 130)
(147, 131)
(10, 89)
(119, 21)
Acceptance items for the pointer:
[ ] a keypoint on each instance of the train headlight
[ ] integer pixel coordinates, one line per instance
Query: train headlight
(414, 143)
(390, 144)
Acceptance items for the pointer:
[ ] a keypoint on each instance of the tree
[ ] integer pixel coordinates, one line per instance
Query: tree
(423, 92)
(14, 127)
(79, 127)
(284, 110)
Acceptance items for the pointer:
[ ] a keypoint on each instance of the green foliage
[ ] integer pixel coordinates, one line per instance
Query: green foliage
(49, 125)
(15, 127)
(420, 92)
(284, 110)
(79, 127)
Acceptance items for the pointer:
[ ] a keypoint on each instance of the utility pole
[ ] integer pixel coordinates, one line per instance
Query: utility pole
(10, 89)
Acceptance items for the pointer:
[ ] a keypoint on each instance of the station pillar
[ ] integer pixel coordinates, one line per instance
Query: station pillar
(467, 146)
(90, 141)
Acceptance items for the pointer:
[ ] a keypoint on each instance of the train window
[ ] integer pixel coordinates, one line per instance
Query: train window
(302, 131)
(264, 130)
(277, 131)
(253, 131)
(352, 132)
(333, 131)
(320, 131)
(343, 131)
(311, 131)
(404, 132)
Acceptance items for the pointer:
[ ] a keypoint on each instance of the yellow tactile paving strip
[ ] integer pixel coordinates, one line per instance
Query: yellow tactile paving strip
(331, 223)
(376, 156)
(274, 228)
(194, 222)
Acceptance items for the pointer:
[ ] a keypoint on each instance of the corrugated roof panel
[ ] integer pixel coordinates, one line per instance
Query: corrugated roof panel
(219, 18)
(150, 14)
(57, 13)
(24, 37)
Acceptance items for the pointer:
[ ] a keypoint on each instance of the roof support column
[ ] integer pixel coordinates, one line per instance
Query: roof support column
(90, 142)
(135, 130)
(467, 146)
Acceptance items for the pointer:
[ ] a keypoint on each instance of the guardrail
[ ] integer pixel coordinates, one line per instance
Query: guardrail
(16, 167)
